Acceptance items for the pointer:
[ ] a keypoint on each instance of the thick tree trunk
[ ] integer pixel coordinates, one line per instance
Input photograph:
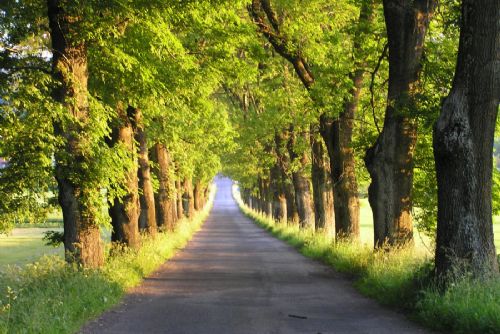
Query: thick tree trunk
(82, 241)
(463, 145)
(390, 160)
(279, 208)
(147, 216)
(188, 198)
(179, 191)
(338, 136)
(265, 197)
(322, 188)
(165, 193)
(197, 194)
(124, 212)
(286, 179)
(303, 198)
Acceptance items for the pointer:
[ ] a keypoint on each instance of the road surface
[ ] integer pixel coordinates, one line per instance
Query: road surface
(233, 277)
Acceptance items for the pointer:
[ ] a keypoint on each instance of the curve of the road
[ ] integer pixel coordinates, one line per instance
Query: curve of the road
(233, 277)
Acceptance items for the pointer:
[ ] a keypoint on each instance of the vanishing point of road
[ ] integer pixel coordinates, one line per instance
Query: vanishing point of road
(233, 277)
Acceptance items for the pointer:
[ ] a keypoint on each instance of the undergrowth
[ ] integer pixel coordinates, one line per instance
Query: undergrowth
(398, 278)
(50, 296)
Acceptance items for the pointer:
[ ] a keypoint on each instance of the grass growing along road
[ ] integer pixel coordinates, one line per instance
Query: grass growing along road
(399, 278)
(50, 296)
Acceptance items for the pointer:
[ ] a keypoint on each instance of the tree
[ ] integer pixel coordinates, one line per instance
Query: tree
(77, 196)
(463, 145)
(390, 159)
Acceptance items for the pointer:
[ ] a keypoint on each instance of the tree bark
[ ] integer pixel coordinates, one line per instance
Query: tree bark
(324, 218)
(279, 208)
(463, 146)
(301, 185)
(147, 216)
(179, 191)
(82, 240)
(165, 193)
(124, 212)
(390, 160)
(188, 202)
(197, 196)
(286, 179)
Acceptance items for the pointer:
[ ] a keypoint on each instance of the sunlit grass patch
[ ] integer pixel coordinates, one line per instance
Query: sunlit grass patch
(25, 246)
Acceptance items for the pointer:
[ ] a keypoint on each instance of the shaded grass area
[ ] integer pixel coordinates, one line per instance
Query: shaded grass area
(50, 296)
(399, 278)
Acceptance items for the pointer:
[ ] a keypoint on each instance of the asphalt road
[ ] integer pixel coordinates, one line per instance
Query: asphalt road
(233, 277)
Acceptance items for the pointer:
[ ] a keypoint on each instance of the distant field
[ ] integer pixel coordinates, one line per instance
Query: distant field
(25, 245)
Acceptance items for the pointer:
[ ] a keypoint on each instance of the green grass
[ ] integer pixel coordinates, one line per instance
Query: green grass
(399, 278)
(24, 246)
(50, 296)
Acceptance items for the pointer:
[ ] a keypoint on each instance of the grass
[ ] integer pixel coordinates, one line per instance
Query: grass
(399, 278)
(25, 246)
(50, 296)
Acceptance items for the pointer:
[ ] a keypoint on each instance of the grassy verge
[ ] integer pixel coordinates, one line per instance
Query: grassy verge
(50, 296)
(398, 278)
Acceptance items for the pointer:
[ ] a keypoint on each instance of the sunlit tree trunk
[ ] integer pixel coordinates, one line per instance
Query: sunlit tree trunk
(390, 159)
(322, 187)
(147, 216)
(164, 212)
(124, 211)
(463, 146)
(197, 194)
(82, 241)
(188, 198)
(179, 192)
(303, 198)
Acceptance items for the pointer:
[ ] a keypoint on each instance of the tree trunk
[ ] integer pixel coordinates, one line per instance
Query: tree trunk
(338, 136)
(188, 202)
(390, 160)
(197, 196)
(301, 186)
(322, 188)
(165, 193)
(124, 212)
(147, 216)
(286, 179)
(463, 146)
(82, 240)
(179, 191)
(279, 208)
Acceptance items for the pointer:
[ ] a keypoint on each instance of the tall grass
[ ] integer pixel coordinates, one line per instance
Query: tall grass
(398, 278)
(50, 296)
